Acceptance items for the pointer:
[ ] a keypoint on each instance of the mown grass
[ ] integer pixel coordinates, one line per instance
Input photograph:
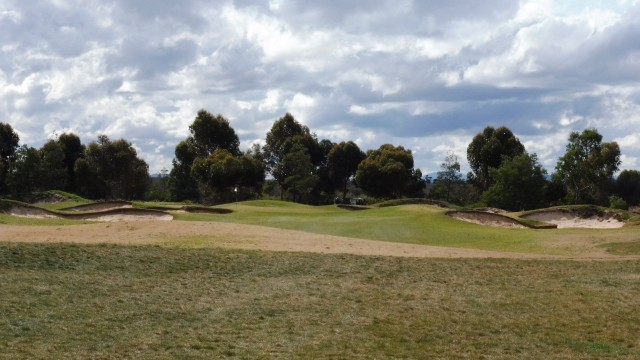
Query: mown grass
(107, 301)
(417, 224)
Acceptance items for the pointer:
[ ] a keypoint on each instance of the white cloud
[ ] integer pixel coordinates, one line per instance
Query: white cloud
(425, 75)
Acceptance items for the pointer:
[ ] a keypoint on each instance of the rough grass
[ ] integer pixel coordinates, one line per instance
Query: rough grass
(80, 301)
(623, 248)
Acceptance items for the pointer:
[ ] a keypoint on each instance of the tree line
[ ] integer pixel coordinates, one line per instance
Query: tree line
(295, 165)
(102, 169)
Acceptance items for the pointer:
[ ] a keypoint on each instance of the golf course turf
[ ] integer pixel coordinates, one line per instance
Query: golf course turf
(186, 297)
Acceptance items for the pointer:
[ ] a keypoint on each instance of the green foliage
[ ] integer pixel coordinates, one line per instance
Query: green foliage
(627, 186)
(388, 172)
(25, 174)
(209, 164)
(181, 185)
(9, 140)
(211, 133)
(53, 167)
(587, 167)
(343, 161)
(159, 188)
(488, 150)
(113, 167)
(448, 185)
(616, 202)
(296, 159)
(223, 176)
(519, 184)
(285, 134)
(73, 150)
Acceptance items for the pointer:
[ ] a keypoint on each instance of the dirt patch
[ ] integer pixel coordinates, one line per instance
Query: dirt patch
(569, 219)
(487, 219)
(122, 214)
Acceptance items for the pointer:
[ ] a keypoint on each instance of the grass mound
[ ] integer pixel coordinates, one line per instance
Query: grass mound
(24, 210)
(100, 205)
(273, 203)
(414, 201)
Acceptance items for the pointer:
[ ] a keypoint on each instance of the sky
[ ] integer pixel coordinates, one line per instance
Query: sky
(426, 75)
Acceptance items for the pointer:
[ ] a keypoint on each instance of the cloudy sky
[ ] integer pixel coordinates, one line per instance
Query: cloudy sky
(427, 75)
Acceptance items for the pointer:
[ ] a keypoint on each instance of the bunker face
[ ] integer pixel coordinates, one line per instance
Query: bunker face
(567, 219)
(125, 214)
(487, 219)
(101, 206)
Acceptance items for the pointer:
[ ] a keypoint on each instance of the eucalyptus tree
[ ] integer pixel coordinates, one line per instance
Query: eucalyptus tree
(587, 167)
(488, 150)
(388, 172)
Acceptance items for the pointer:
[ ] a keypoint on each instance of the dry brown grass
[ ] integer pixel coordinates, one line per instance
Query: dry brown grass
(107, 301)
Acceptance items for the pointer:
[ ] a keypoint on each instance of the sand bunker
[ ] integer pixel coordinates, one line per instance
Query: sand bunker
(487, 219)
(100, 206)
(122, 214)
(569, 219)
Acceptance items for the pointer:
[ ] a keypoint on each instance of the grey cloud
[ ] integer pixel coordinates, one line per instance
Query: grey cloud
(181, 56)
(152, 60)
(393, 17)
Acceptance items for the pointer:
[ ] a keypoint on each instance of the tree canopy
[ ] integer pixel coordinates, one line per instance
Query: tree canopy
(209, 167)
(448, 179)
(114, 168)
(211, 133)
(520, 184)
(388, 172)
(587, 166)
(342, 163)
(488, 150)
(9, 141)
(208, 134)
(293, 156)
(627, 186)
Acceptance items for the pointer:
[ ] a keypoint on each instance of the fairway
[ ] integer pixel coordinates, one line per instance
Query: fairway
(406, 230)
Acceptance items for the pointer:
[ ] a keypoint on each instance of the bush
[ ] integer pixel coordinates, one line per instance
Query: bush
(616, 202)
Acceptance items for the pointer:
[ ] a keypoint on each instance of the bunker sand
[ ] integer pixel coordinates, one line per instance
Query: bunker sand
(112, 214)
(249, 237)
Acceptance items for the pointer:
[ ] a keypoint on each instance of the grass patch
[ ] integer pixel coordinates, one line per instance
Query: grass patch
(82, 301)
(71, 197)
(416, 224)
(623, 248)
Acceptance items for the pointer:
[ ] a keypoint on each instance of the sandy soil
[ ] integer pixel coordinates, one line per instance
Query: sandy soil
(486, 218)
(109, 216)
(566, 219)
(251, 237)
(100, 206)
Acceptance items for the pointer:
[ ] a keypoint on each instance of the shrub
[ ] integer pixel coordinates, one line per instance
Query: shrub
(616, 202)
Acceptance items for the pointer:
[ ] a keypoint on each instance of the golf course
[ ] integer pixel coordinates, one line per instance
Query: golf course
(271, 279)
